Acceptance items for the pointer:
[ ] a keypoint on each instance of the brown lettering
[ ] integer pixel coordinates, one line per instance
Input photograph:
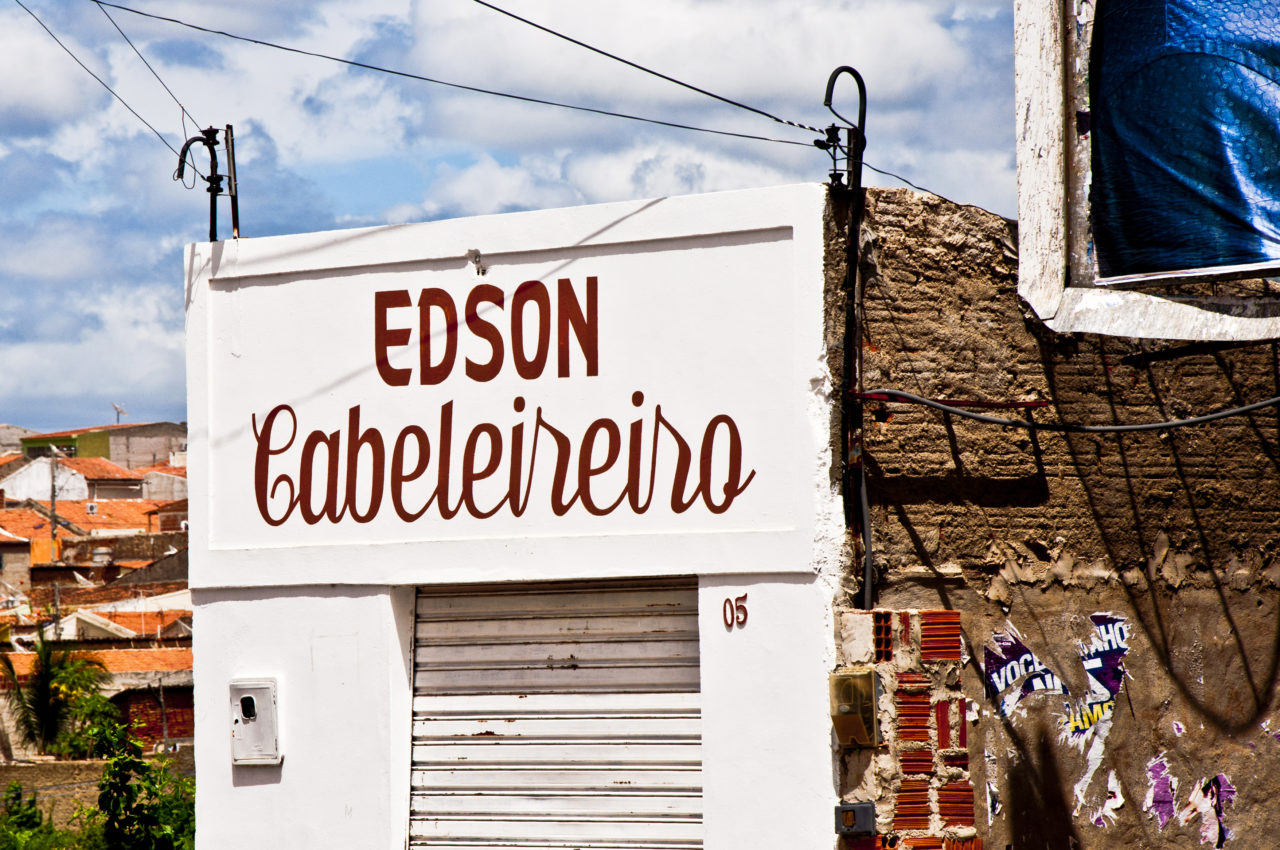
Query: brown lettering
(733, 485)
(399, 476)
(531, 291)
(484, 294)
(585, 326)
(356, 440)
(306, 472)
(262, 464)
(586, 470)
(433, 373)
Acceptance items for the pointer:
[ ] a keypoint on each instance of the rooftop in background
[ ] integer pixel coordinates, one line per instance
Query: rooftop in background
(122, 660)
(23, 524)
(164, 468)
(107, 514)
(76, 432)
(99, 468)
(85, 596)
(130, 445)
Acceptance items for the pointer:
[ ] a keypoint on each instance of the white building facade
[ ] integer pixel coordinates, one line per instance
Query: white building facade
(529, 522)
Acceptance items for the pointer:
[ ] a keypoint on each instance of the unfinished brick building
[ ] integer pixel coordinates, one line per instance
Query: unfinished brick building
(1118, 592)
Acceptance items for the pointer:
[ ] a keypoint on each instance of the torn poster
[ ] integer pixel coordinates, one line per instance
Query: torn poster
(1162, 790)
(1012, 671)
(1113, 803)
(1208, 799)
(1103, 661)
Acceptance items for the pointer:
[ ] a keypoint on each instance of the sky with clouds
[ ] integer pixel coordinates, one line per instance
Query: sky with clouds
(94, 224)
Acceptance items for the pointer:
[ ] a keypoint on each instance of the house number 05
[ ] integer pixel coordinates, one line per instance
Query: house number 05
(735, 612)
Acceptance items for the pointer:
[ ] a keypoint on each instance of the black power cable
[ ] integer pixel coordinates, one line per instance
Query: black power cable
(1069, 428)
(419, 77)
(186, 114)
(101, 82)
(523, 98)
(640, 67)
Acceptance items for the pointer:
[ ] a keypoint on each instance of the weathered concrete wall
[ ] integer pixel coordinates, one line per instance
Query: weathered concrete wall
(126, 547)
(147, 445)
(1139, 570)
(15, 567)
(64, 787)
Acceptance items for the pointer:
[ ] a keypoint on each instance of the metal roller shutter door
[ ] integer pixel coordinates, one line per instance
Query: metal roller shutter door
(558, 715)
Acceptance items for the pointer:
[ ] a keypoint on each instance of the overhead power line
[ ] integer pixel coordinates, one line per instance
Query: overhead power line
(460, 86)
(101, 82)
(640, 67)
(507, 95)
(153, 71)
(1069, 428)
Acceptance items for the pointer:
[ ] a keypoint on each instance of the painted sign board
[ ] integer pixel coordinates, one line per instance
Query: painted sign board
(1146, 143)
(626, 389)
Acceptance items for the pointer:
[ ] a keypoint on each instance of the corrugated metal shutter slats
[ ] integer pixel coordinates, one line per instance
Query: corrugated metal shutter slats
(557, 716)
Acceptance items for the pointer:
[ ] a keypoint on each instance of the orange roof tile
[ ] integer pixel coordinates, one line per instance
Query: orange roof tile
(71, 598)
(9, 458)
(165, 468)
(176, 506)
(75, 432)
(99, 468)
(24, 523)
(143, 622)
(109, 514)
(121, 660)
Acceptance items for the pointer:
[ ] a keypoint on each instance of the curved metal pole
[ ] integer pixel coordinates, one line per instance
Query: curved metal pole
(857, 503)
(209, 138)
(862, 96)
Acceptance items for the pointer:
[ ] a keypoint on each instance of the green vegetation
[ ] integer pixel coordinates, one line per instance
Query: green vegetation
(142, 805)
(58, 701)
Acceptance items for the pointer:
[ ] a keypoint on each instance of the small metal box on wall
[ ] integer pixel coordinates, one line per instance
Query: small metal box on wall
(255, 732)
(855, 694)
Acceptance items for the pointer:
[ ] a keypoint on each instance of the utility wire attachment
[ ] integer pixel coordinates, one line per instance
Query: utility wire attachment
(853, 468)
(209, 138)
(855, 134)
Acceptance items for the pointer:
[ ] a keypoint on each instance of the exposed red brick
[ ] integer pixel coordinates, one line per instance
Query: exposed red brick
(913, 716)
(911, 811)
(940, 635)
(924, 842)
(916, 762)
(882, 632)
(955, 804)
(143, 709)
(963, 844)
(909, 681)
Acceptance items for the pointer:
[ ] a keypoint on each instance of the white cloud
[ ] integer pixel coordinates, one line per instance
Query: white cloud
(42, 86)
(95, 225)
(134, 347)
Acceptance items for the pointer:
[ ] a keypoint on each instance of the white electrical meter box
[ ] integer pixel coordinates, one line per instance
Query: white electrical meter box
(255, 733)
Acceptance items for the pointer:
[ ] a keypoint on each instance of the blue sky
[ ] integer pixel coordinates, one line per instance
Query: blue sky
(94, 225)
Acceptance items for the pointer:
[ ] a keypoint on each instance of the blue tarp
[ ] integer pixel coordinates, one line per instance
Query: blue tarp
(1185, 102)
